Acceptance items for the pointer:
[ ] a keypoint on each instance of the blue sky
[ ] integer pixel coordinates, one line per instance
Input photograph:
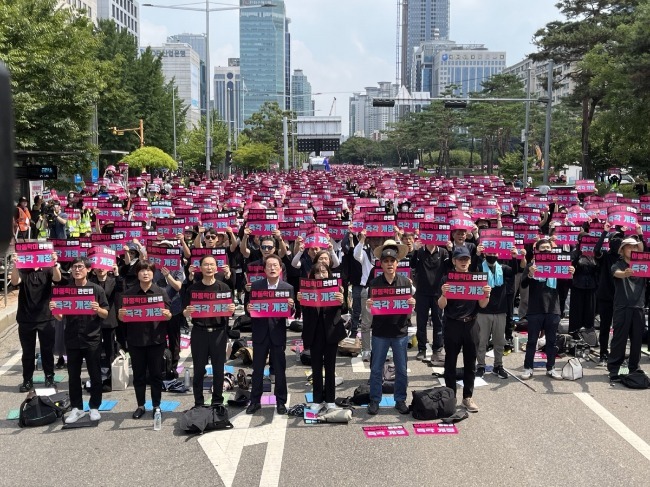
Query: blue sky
(345, 45)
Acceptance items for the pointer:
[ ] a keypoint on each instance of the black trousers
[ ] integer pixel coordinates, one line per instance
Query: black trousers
(323, 353)
(27, 333)
(204, 344)
(510, 324)
(563, 286)
(260, 351)
(628, 323)
(147, 359)
(76, 357)
(174, 337)
(295, 282)
(461, 336)
(424, 304)
(582, 309)
(108, 344)
(606, 312)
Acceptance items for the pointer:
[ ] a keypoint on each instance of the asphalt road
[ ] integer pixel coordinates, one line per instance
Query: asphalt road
(554, 436)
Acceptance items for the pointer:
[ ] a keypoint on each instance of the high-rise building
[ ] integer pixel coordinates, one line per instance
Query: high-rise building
(287, 65)
(366, 120)
(90, 6)
(536, 74)
(125, 13)
(182, 64)
(228, 97)
(262, 46)
(301, 102)
(197, 42)
(423, 20)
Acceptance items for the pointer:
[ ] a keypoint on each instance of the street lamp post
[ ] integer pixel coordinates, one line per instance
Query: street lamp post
(526, 129)
(207, 10)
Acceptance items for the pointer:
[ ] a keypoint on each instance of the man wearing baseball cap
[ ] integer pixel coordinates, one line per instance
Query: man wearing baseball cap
(389, 331)
(629, 301)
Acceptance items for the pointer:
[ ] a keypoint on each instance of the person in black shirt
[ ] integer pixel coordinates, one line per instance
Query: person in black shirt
(492, 319)
(629, 319)
(543, 314)
(147, 340)
(427, 264)
(461, 330)
(582, 307)
(83, 335)
(209, 335)
(389, 331)
(35, 318)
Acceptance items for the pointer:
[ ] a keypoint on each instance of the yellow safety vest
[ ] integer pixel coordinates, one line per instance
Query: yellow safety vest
(73, 227)
(85, 225)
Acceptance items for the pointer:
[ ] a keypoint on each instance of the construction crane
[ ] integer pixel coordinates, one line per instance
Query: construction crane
(333, 107)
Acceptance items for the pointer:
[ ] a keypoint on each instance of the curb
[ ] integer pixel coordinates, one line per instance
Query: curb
(7, 318)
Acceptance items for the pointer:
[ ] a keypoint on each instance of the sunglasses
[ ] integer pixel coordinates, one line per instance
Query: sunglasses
(266, 247)
(210, 237)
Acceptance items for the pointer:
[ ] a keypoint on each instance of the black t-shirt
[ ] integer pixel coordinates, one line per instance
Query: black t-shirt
(85, 331)
(630, 291)
(541, 298)
(217, 287)
(429, 269)
(460, 309)
(390, 326)
(34, 296)
(498, 295)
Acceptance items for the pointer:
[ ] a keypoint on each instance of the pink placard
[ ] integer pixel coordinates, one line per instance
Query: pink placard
(319, 292)
(219, 255)
(102, 258)
(466, 286)
(434, 233)
(551, 265)
(143, 308)
(390, 301)
(270, 303)
(316, 240)
(210, 304)
(36, 258)
(384, 431)
(73, 300)
(640, 264)
(435, 429)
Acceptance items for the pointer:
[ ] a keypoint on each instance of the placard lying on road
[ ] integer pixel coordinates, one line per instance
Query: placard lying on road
(466, 285)
(552, 265)
(319, 292)
(435, 429)
(390, 300)
(143, 308)
(270, 303)
(384, 431)
(210, 304)
(73, 300)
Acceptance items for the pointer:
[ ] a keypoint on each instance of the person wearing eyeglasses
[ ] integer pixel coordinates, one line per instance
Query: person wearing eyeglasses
(213, 240)
(83, 335)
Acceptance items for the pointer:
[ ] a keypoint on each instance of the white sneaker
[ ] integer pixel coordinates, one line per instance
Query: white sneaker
(94, 415)
(528, 373)
(74, 416)
(554, 374)
(365, 356)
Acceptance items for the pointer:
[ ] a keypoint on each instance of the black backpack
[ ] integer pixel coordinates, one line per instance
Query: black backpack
(205, 418)
(636, 380)
(38, 411)
(361, 395)
(433, 403)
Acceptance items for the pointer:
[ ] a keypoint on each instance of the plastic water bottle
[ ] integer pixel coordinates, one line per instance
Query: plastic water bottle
(187, 382)
(157, 420)
(39, 362)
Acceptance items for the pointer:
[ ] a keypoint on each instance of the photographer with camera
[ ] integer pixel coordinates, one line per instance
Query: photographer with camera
(56, 221)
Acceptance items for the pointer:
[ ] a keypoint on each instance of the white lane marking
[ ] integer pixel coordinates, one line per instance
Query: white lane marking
(613, 422)
(224, 448)
(359, 366)
(11, 362)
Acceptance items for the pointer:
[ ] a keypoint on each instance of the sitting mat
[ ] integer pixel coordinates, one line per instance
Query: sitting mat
(106, 405)
(165, 406)
(40, 379)
(13, 414)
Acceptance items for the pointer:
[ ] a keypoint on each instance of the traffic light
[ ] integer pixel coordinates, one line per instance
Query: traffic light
(456, 104)
(383, 102)
(229, 158)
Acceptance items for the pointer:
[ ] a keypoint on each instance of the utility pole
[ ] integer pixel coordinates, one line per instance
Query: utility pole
(174, 116)
(526, 129)
(285, 129)
(549, 106)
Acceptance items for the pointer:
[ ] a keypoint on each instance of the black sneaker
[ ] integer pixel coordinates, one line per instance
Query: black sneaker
(49, 382)
(60, 364)
(26, 386)
(401, 407)
(480, 371)
(373, 407)
(500, 371)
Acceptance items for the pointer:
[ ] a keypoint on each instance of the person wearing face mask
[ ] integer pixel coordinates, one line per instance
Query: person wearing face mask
(491, 320)
(461, 331)
(543, 314)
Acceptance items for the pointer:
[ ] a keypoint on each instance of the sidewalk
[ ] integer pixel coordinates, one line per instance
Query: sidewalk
(8, 312)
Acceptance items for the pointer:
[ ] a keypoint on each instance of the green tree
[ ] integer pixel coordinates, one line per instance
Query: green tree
(253, 156)
(192, 147)
(356, 150)
(150, 158)
(265, 126)
(56, 79)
